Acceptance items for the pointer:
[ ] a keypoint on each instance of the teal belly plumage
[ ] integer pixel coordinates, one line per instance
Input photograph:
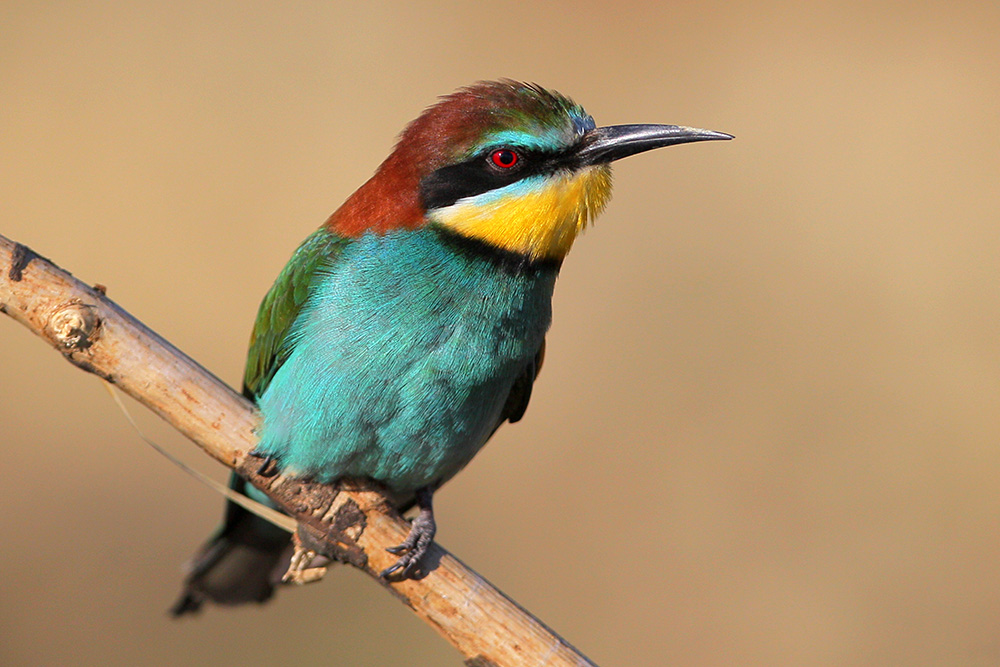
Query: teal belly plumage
(401, 361)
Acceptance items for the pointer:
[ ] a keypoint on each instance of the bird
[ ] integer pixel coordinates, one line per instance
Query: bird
(411, 325)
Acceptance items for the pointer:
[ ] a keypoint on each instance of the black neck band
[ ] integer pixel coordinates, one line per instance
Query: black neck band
(507, 261)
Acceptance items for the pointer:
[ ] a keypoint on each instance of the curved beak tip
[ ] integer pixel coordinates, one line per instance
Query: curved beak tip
(685, 134)
(712, 134)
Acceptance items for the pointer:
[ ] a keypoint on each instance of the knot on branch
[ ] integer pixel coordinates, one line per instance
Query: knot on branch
(331, 521)
(74, 325)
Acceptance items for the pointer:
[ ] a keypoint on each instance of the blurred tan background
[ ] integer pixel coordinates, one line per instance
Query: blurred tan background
(767, 430)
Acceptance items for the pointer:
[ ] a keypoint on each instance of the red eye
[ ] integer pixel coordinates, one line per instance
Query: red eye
(504, 158)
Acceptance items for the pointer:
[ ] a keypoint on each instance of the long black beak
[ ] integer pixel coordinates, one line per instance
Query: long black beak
(606, 144)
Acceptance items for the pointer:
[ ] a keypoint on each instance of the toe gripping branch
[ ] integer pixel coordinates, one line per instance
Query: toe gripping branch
(419, 539)
(338, 522)
(331, 521)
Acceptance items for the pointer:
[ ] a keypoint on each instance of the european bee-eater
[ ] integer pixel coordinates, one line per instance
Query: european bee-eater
(412, 324)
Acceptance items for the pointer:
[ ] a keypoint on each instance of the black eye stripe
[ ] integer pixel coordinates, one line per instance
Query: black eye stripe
(479, 174)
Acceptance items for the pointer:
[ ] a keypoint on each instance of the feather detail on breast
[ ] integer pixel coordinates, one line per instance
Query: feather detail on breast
(403, 361)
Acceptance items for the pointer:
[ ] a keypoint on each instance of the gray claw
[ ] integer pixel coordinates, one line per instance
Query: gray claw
(417, 541)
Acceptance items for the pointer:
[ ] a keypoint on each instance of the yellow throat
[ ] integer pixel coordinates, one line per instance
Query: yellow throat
(538, 217)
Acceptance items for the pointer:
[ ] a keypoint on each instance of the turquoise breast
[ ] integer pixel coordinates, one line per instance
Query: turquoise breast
(401, 361)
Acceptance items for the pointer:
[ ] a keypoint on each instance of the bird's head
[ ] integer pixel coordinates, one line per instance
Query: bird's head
(511, 165)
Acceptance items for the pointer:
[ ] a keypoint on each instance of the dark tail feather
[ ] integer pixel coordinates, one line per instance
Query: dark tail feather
(241, 563)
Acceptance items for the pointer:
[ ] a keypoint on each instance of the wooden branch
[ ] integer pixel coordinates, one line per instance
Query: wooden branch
(351, 521)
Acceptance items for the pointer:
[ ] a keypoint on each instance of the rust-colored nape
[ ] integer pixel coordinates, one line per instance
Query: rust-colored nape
(391, 198)
(388, 200)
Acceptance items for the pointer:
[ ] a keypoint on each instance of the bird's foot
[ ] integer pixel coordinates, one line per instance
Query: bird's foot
(418, 540)
(269, 465)
(306, 565)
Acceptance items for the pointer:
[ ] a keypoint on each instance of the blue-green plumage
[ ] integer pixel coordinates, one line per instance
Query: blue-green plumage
(401, 360)
(407, 329)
